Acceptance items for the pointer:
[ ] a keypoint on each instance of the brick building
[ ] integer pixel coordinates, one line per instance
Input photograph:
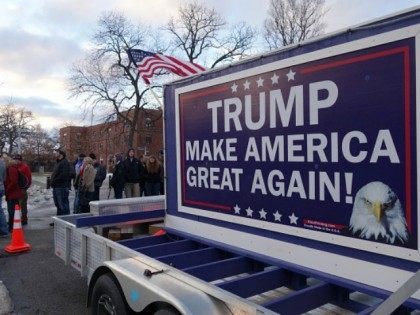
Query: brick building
(109, 138)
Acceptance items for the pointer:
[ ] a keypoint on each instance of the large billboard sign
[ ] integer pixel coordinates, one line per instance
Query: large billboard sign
(323, 148)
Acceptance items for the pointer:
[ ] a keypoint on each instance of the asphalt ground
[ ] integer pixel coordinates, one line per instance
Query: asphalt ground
(38, 281)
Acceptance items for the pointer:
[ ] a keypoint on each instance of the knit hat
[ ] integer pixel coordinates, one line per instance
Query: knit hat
(59, 151)
(17, 157)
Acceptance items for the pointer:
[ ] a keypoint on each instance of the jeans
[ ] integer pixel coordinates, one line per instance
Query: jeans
(118, 192)
(11, 209)
(152, 189)
(61, 200)
(3, 224)
(95, 194)
(24, 205)
(76, 203)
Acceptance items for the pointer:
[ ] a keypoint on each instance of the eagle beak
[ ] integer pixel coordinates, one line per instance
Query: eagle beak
(377, 210)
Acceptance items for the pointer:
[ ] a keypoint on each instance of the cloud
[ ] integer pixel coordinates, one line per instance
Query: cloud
(34, 55)
(43, 107)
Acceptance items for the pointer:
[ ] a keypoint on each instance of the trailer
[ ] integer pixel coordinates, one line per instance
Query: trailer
(292, 187)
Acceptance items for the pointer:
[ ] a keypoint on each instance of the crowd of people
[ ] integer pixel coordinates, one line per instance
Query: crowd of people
(131, 177)
(15, 179)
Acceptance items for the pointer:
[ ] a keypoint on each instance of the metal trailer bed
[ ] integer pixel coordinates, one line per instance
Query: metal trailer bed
(262, 284)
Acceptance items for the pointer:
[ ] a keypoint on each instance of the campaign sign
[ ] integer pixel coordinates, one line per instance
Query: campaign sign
(326, 146)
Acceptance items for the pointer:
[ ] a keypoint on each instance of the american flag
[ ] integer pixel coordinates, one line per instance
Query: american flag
(147, 62)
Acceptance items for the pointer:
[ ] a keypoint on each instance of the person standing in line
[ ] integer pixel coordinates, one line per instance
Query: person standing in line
(61, 182)
(4, 231)
(87, 184)
(117, 179)
(153, 176)
(77, 168)
(131, 175)
(99, 177)
(25, 170)
(12, 189)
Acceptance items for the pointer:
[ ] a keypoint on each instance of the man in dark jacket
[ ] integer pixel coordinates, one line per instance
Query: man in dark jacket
(131, 175)
(117, 179)
(60, 182)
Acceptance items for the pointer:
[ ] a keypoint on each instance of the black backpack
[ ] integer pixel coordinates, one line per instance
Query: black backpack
(23, 181)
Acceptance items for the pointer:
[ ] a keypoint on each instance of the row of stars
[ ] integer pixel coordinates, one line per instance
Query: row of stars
(260, 82)
(263, 214)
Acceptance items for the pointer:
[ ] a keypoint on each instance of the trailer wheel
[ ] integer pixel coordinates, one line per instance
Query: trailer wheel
(106, 297)
(167, 310)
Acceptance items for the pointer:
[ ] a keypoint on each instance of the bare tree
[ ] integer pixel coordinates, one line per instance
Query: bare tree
(107, 79)
(38, 147)
(14, 126)
(199, 30)
(292, 21)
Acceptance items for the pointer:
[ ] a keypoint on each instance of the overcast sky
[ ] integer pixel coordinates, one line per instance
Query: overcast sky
(40, 39)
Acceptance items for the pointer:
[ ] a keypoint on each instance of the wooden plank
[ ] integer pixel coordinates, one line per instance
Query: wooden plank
(168, 248)
(193, 258)
(222, 269)
(303, 300)
(256, 283)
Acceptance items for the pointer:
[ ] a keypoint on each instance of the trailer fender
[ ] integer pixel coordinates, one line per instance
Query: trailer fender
(141, 290)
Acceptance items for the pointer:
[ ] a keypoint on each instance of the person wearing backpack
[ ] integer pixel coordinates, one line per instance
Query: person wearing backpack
(12, 190)
(99, 176)
(25, 171)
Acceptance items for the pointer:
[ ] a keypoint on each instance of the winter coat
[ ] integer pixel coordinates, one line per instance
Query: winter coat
(61, 174)
(100, 174)
(24, 168)
(2, 175)
(117, 179)
(131, 170)
(88, 178)
(12, 189)
(153, 177)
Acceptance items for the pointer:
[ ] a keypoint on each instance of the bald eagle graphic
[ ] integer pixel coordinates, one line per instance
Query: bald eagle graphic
(377, 213)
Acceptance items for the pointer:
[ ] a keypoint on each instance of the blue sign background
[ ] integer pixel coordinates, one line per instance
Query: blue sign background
(376, 91)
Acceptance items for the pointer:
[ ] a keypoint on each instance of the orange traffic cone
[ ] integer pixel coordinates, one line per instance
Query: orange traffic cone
(18, 244)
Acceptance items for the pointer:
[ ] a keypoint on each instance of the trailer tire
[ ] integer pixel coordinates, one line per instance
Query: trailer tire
(107, 298)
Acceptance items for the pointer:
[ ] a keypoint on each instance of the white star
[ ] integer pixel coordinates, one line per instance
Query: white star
(260, 82)
(277, 216)
(263, 214)
(293, 219)
(234, 87)
(246, 85)
(290, 75)
(275, 79)
(237, 209)
(249, 212)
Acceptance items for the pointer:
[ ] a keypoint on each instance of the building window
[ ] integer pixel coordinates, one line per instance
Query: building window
(148, 139)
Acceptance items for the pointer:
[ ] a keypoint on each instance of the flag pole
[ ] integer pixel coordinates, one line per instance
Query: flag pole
(163, 138)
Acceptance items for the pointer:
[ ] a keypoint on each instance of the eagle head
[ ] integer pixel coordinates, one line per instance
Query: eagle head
(377, 213)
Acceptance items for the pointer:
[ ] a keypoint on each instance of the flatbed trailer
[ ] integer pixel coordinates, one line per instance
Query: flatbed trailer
(238, 239)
